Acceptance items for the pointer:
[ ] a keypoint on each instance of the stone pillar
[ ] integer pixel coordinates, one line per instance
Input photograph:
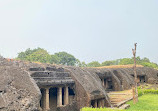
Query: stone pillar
(46, 99)
(107, 84)
(66, 96)
(103, 102)
(59, 97)
(103, 82)
(42, 98)
(95, 104)
(99, 103)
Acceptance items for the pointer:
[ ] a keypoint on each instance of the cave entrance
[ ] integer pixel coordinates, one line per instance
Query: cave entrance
(71, 95)
(108, 83)
(42, 98)
(93, 103)
(142, 79)
(98, 103)
(53, 98)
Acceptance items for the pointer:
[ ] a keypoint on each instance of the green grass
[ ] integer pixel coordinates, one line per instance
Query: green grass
(100, 109)
(147, 102)
(145, 90)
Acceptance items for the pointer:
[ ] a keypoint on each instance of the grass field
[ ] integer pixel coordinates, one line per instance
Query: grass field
(147, 102)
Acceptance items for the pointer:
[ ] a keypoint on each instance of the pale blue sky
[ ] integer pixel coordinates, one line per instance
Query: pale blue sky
(88, 29)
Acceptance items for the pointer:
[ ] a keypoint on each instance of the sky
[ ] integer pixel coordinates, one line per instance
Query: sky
(91, 30)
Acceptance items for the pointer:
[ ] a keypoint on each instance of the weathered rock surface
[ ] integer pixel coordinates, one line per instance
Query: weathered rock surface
(88, 86)
(18, 91)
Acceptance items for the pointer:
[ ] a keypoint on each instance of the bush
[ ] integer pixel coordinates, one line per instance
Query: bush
(146, 91)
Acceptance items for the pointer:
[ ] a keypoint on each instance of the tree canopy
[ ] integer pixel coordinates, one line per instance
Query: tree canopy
(125, 61)
(41, 55)
(66, 59)
(94, 64)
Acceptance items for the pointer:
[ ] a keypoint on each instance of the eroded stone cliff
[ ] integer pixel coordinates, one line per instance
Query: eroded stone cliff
(18, 91)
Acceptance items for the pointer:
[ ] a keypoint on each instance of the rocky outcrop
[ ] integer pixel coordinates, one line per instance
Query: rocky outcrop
(88, 87)
(18, 91)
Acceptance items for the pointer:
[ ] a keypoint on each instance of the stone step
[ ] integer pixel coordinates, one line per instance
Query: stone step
(115, 101)
(118, 98)
(122, 102)
(119, 94)
(124, 106)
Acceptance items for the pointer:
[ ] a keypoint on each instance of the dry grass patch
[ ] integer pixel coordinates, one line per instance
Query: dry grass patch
(120, 66)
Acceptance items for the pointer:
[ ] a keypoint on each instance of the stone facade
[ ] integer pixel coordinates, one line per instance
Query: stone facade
(27, 86)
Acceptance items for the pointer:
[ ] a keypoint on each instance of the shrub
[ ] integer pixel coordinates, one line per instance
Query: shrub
(146, 91)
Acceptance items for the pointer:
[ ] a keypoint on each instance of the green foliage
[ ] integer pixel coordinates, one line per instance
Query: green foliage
(149, 64)
(142, 91)
(23, 55)
(41, 55)
(54, 59)
(145, 60)
(125, 61)
(80, 64)
(66, 59)
(94, 64)
(38, 54)
(83, 64)
(109, 63)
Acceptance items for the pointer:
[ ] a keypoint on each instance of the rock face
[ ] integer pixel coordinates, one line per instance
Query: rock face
(88, 87)
(18, 91)
(123, 78)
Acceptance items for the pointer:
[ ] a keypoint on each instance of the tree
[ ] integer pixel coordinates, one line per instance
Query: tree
(108, 63)
(126, 61)
(23, 55)
(54, 59)
(66, 59)
(145, 60)
(40, 55)
(81, 64)
(94, 64)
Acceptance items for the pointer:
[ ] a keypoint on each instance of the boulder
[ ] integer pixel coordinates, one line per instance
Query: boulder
(152, 80)
(18, 91)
